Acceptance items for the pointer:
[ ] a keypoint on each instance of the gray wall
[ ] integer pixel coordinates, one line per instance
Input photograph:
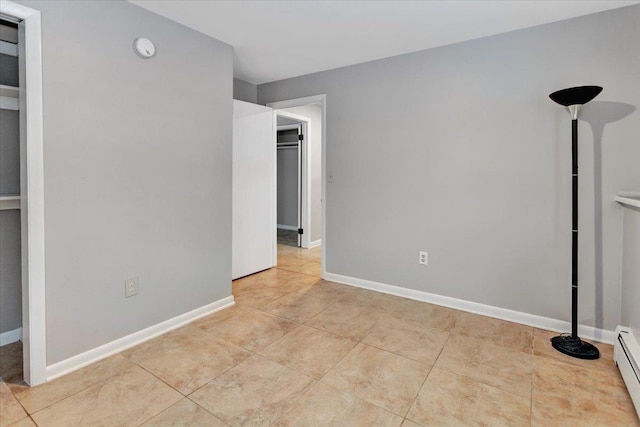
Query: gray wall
(8, 70)
(10, 271)
(245, 91)
(8, 34)
(137, 171)
(631, 270)
(9, 152)
(459, 151)
(314, 144)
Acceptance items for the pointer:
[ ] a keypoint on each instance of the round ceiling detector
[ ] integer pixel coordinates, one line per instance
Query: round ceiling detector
(144, 48)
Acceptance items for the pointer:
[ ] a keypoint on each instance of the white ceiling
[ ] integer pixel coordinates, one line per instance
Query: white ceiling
(275, 40)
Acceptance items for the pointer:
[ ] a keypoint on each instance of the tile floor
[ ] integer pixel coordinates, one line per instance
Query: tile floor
(287, 237)
(299, 351)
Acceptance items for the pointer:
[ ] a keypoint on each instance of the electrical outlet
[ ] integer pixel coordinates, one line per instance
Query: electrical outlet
(131, 287)
(424, 258)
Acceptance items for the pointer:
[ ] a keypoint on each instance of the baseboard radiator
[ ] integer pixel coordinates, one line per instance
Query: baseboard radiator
(626, 353)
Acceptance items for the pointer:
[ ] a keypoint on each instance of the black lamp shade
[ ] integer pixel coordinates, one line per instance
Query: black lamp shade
(575, 95)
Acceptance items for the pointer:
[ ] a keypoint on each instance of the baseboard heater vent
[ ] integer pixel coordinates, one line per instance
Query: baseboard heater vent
(626, 353)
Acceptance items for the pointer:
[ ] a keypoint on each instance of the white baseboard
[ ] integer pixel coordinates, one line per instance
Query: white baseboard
(315, 244)
(588, 332)
(10, 337)
(81, 360)
(287, 227)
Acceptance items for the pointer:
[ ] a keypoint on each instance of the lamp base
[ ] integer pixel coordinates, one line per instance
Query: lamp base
(575, 347)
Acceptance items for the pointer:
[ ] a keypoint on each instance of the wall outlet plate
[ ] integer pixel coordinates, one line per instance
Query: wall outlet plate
(423, 258)
(131, 287)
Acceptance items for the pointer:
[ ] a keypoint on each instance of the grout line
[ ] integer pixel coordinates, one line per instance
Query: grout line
(427, 377)
(205, 409)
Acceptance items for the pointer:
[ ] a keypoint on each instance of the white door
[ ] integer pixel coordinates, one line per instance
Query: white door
(253, 193)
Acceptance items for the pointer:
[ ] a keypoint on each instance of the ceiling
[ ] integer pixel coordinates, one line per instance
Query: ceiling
(275, 40)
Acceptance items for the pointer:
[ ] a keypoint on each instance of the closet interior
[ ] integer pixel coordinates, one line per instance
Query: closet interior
(10, 214)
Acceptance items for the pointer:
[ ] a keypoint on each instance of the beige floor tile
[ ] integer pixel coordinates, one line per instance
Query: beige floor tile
(255, 392)
(311, 268)
(36, 398)
(289, 281)
(285, 261)
(393, 335)
(129, 398)
(250, 329)
(254, 278)
(308, 350)
(287, 250)
(187, 358)
(10, 409)
(219, 317)
(329, 291)
(346, 320)
(185, 413)
(314, 254)
(373, 300)
(324, 405)
(25, 422)
(11, 362)
(556, 415)
(382, 378)
(513, 335)
(472, 383)
(296, 307)
(488, 363)
(587, 393)
(257, 294)
(419, 315)
(542, 347)
(447, 399)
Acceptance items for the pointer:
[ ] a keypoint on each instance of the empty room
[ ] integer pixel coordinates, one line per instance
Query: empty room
(319, 213)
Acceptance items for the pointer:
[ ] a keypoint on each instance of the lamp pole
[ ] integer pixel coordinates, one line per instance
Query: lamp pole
(573, 98)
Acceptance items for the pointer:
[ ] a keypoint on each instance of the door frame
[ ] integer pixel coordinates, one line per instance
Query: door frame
(304, 198)
(299, 102)
(32, 192)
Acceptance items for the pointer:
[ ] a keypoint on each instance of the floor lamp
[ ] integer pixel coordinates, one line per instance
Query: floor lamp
(572, 345)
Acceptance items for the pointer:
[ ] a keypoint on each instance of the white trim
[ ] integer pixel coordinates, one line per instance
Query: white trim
(628, 199)
(588, 332)
(81, 360)
(315, 244)
(9, 96)
(7, 103)
(287, 127)
(32, 190)
(626, 352)
(298, 102)
(10, 337)
(9, 91)
(274, 186)
(287, 227)
(7, 48)
(9, 203)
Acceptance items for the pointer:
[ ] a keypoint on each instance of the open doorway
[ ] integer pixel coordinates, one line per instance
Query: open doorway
(299, 140)
(292, 204)
(10, 218)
